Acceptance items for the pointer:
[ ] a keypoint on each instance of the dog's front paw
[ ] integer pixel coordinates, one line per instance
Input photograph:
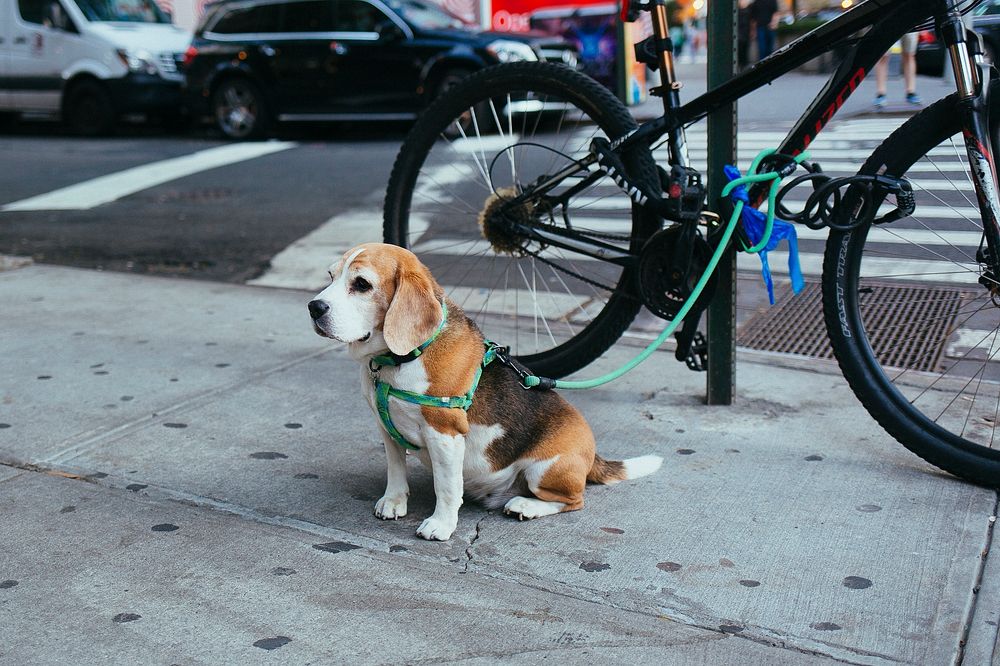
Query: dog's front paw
(435, 529)
(390, 508)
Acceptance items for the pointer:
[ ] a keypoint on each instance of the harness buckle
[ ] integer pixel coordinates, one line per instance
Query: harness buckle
(503, 355)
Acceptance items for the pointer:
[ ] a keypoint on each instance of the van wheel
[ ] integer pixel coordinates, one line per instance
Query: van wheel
(88, 109)
(239, 109)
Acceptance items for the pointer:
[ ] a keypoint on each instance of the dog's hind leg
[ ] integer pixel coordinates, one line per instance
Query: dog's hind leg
(557, 485)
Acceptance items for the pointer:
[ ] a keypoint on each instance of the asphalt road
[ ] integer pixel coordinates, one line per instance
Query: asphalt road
(223, 223)
(226, 223)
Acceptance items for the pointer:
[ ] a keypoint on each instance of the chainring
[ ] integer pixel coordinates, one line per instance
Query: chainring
(670, 265)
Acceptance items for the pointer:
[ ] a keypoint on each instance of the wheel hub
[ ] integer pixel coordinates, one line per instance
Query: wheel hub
(987, 278)
(499, 218)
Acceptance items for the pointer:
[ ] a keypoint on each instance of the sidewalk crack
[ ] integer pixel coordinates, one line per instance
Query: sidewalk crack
(970, 613)
(472, 543)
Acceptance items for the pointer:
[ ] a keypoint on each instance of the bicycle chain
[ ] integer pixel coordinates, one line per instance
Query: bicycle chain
(555, 228)
(603, 235)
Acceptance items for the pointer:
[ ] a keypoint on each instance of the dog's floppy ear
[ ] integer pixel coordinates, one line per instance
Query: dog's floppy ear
(414, 313)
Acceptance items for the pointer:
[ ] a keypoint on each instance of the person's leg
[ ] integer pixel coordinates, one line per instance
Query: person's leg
(761, 42)
(881, 79)
(769, 38)
(910, 73)
(910, 67)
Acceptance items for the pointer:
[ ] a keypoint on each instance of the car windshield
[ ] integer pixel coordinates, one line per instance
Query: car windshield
(130, 11)
(427, 16)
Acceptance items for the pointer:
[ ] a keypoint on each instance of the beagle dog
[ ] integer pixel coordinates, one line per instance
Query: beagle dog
(530, 452)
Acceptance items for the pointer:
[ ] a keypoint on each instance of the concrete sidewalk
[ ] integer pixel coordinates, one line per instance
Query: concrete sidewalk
(189, 474)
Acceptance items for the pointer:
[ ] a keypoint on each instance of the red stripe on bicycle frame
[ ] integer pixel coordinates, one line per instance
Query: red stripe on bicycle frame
(838, 101)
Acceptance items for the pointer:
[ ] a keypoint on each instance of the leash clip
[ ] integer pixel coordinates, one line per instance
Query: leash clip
(544, 383)
(373, 369)
(503, 355)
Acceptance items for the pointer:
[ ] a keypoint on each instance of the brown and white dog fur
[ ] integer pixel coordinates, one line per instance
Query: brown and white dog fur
(530, 452)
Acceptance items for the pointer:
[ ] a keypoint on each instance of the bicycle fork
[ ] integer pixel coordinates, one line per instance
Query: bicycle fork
(973, 93)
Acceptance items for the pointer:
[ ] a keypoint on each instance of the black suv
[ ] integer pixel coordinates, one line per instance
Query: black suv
(253, 62)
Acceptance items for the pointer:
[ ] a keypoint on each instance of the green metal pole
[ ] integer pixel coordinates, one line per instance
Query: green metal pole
(721, 150)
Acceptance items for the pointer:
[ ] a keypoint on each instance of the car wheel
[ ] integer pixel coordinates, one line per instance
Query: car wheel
(88, 109)
(240, 110)
(449, 80)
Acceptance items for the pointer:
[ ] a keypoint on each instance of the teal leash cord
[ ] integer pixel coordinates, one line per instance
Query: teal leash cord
(532, 381)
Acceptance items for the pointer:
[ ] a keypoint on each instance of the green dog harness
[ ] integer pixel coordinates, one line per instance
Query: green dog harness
(383, 391)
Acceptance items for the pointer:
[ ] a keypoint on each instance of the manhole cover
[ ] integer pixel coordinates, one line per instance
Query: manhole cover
(908, 326)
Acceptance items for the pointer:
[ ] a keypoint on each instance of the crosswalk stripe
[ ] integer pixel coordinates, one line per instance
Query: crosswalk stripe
(588, 204)
(105, 189)
(873, 268)
(840, 151)
(454, 246)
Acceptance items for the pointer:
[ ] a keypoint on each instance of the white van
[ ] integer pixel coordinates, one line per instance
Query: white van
(89, 60)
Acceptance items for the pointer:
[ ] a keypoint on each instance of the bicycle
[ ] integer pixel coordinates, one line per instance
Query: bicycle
(576, 226)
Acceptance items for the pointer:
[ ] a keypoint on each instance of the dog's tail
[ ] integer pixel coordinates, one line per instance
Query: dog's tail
(613, 471)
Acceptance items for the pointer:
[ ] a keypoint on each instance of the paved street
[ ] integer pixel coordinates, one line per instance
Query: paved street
(220, 216)
(274, 213)
(227, 212)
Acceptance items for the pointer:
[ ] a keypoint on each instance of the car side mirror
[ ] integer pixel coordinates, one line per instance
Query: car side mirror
(389, 32)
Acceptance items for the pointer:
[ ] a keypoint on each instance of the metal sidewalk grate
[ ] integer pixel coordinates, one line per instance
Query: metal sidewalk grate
(908, 325)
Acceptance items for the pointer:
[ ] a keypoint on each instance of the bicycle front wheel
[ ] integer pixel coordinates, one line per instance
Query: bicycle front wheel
(915, 332)
(494, 137)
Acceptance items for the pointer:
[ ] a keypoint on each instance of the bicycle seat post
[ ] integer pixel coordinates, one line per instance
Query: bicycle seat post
(669, 87)
(661, 57)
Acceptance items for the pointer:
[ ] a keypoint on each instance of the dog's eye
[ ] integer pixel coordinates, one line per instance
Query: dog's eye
(360, 285)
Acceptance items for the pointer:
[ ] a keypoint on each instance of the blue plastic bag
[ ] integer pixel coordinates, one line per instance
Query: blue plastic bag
(754, 224)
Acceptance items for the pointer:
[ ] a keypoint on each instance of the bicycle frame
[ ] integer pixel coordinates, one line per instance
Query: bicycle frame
(888, 21)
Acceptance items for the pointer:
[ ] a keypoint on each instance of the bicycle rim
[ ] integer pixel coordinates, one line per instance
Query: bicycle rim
(488, 142)
(917, 334)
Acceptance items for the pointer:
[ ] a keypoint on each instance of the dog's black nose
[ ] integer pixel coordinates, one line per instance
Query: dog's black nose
(318, 308)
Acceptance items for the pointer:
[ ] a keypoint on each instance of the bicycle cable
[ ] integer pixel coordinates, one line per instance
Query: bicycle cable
(823, 206)
(534, 381)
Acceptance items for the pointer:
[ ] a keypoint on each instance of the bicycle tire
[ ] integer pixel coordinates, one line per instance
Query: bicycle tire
(478, 110)
(911, 371)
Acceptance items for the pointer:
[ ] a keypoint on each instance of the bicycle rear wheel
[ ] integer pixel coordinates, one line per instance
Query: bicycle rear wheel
(487, 140)
(916, 335)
